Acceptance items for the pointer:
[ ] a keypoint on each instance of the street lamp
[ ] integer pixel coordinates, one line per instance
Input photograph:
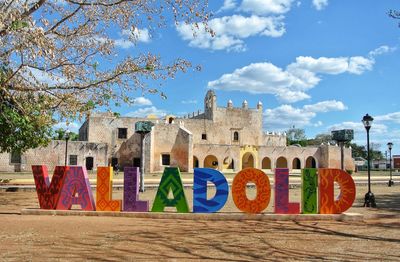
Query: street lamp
(369, 196)
(390, 146)
(67, 133)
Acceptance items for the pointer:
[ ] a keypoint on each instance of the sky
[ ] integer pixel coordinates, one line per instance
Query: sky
(319, 65)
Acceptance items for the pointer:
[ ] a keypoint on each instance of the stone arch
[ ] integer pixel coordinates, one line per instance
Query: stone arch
(266, 163)
(195, 162)
(311, 162)
(296, 164)
(247, 160)
(211, 161)
(228, 163)
(281, 162)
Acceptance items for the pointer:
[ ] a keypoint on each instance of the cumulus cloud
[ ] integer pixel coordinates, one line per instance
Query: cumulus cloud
(391, 117)
(230, 31)
(291, 84)
(73, 126)
(228, 5)
(144, 112)
(286, 115)
(142, 101)
(358, 127)
(320, 4)
(265, 7)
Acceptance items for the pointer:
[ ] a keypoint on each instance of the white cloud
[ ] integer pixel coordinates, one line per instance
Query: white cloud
(264, 7)
(320, 4)
(139, 35)
(142, 101)
(290, 84)
(382, 50)
(144, 112)
(228, 5)
(358, 127)
(285, 116)
(189, 101)
(391, 117)
(325, 106)
(73, 127)
(230, 31)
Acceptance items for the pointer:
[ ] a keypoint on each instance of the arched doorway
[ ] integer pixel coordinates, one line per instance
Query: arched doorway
(247, 160)
(281, 162)
(228, 163)
(211, 162)
(296, 164)
(311, 162)
(89, 163)
(195, 162)
(266, 163)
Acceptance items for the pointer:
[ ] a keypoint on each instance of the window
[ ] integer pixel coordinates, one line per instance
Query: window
(15, 158)
(236, 136)
(122, 133)
(136, 162)
(204, 136)
(73, 160)
(165, 159)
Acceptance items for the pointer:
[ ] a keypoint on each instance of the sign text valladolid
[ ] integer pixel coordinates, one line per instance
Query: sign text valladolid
(70, 186)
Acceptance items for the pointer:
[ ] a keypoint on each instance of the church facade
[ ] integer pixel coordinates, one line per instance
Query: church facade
(224, 138)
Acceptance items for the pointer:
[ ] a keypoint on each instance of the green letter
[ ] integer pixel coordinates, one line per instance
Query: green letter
(170, 180)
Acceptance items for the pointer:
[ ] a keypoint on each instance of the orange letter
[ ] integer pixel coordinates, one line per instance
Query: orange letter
(239, 184)
(327, 204)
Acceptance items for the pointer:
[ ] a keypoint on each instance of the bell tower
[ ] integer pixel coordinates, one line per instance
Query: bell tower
(210, 104)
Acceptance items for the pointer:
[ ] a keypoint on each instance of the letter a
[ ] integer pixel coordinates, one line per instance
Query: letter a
(170, 180)
(76, 183)
(200, 202)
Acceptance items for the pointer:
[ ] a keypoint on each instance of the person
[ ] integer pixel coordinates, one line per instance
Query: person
(116, 169)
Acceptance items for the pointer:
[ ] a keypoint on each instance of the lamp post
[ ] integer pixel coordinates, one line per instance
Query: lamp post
(369, 196)
(390, 146)
(67, 133)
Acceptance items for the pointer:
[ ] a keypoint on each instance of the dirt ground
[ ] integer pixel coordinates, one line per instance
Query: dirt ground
(59, 238)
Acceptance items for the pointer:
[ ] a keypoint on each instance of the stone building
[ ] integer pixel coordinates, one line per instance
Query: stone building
(225, 138)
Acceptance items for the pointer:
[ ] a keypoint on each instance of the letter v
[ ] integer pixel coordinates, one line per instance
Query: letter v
(49, 193)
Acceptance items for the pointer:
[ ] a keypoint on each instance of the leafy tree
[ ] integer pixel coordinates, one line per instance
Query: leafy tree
(296, 136)
(60, 134)
(361, 151)
(58, 60)
(319, 139)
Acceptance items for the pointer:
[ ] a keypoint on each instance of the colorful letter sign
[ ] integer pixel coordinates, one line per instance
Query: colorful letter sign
(70, 186)
(200, 202)
(104, 200)
(76, 183)
(170, 180)
(309, 187)
(48, 193)
(131, 191)
(282, 205)
(327, 203)
(239, 184)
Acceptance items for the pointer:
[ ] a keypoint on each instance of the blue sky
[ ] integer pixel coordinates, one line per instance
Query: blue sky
(315, 64)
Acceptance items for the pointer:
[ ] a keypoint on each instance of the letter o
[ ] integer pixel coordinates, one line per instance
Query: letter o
(261, 180)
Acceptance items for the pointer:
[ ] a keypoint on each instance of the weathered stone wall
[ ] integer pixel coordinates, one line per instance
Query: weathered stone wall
(54, 155)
